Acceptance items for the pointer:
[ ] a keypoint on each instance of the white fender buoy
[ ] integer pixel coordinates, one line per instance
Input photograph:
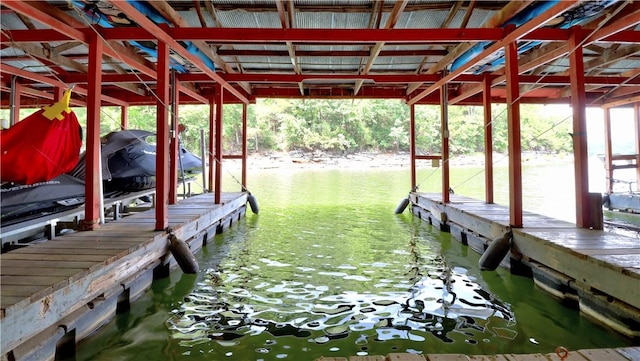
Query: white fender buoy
(496, 251)
(183, 255)
(253, 203)
(403, 204)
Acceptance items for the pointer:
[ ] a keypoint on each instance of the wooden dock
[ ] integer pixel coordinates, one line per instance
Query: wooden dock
(59, 291)
(607, 354)
(596, 270)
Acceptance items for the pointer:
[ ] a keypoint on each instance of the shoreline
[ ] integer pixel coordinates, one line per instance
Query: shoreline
(400, 160)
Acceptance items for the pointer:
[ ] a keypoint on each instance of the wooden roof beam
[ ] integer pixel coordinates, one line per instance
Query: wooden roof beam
(7, 69)
(162, 35)
(512, 36)
(398, 8)
(508, 11)
(71, 29)
(286, 22)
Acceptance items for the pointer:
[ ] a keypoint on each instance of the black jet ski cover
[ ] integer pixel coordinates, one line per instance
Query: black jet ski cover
(60, 193)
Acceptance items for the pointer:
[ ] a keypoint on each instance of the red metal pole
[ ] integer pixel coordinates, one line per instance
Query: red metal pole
(578, 104)
(412, 145)
(124, 117)
(608, 153)
(210, 148)
(15, 101)
(514, 145)
(488, 139)
(244, 147)
(636, 119)
(162, 139)
(218, 155)
(444, 121)
(92, 159)
(174, 151)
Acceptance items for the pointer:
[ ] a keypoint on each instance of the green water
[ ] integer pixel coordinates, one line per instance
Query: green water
(327, 269)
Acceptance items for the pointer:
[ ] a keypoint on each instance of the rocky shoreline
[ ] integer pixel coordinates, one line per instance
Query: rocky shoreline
(319, 160)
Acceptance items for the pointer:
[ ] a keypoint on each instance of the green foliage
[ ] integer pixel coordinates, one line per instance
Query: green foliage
(346, 126)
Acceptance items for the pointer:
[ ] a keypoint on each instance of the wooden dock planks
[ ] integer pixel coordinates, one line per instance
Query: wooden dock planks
(596, 262)
(606, 354)
(44, 282)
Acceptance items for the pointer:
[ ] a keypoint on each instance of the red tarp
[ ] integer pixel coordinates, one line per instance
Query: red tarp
(42, 146)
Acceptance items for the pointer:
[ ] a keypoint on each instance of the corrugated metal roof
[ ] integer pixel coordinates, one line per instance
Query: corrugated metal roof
(317, 56)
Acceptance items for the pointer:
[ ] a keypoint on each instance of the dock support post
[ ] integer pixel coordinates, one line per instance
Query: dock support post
(124, 117)
(218, 154)
(174, 144)
(244, 146)
(14, 100)
(412, 145)
(93, 181)
(608, 152)
(162, 139)
(636, 121)
(210, 148)
(514, 146)
(444, 132)
(488, 139)
(578, 104)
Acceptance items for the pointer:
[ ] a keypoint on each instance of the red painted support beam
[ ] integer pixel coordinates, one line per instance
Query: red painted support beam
(412, 145)
(163, 36)
(580, 156)
(174, 152)
(608, 153)
(514, 145)
(15, 102)
(162, 139)
(636, 119)
(124, 117)
(514, 35)
(211, 147)
(444, 135)
(488, 139)
(8, 69)
(218, 154)
(244, 147)
(93, 181)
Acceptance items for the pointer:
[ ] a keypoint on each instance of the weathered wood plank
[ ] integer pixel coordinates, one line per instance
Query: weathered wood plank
(34, 271)
(405, 357)
(46, 252)
(602, 354)
(86, 265)
(58, 257)
(487, 358)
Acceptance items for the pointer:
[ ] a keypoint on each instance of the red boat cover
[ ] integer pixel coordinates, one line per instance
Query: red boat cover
(42, 146)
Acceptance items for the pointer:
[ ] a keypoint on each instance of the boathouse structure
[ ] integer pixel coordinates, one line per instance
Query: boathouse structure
(215, 52)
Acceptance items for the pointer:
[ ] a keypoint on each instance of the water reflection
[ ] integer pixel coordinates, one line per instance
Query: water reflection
(402, 291)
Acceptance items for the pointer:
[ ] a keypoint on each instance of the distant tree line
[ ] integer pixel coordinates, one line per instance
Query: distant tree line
(349, 126)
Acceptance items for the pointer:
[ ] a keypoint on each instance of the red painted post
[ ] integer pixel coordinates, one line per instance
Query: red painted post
(57, 93)
(212, 132)
(244, 147)
(608, 153)
(444, 134)
(488, 140)
(173, 144)
(412, 145)
(514, 145)
(124, 117)
(218, 154)
(578, 105)
(636, 119)
(92, 174)
(162, 138)
(15, 101)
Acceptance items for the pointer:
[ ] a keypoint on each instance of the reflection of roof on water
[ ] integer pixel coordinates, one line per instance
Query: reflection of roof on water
(443, 300)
